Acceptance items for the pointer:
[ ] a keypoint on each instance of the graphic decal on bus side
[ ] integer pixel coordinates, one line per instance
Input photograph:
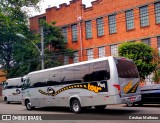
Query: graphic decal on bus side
(129, 89)
(17, 92)
(95, 87)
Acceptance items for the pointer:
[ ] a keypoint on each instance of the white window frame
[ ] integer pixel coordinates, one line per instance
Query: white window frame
(129, 19)
(64, 32)
(157, 12)
(147, 41)
(74, 33)
(149, 79)
(101, 52)
(66, 60)
(88, 29)
(100, 26)
(90, 55)
(76, 57)
(144, 16)
(112, 24)
(114, 49)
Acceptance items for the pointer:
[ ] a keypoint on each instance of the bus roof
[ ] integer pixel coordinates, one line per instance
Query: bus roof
(71, 65)
(14, 81)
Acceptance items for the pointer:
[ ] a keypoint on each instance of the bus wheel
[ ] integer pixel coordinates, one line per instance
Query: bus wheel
(6, 101)
(28, 105)
(130, 104)
(76, 106)
(100, 107)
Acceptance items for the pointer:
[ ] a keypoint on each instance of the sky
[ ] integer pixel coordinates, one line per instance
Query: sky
(50, 3)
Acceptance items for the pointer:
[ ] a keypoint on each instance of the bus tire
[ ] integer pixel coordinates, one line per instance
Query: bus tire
(28, 105)
(100, 107)
(6, 101)
(76, 106)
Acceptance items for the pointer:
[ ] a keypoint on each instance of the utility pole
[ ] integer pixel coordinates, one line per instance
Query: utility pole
(42, 49)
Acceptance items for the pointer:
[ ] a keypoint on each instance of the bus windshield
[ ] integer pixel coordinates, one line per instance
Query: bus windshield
(126, 68)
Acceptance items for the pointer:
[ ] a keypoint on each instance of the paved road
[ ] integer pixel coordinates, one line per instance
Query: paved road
(115, 113)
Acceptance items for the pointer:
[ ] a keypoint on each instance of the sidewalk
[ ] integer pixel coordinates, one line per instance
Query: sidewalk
(1, 99)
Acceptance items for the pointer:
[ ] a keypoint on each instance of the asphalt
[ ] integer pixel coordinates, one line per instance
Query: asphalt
(1, 99)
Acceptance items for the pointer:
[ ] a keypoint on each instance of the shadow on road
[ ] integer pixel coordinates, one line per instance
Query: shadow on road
(145, 105)
(13, 103)
(90, 111)
(89, 114)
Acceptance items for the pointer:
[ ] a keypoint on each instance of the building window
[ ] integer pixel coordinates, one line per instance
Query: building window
(66, 60)
(157, 12)
(100, 30)
(74, 32)
(144, 17)
(114, 50)
(76, 57)
(112, 24)
(146, 41)
(129, 19)
(90, 54)
(64, 32)
(88, 29)
(149, 79)
(101, 52)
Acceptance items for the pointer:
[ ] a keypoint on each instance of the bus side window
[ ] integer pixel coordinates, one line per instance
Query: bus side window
(68, 75)
(107, 69)
(100, 71)
(26, 83)
(86, 72)
(78, 74)
(55, 78)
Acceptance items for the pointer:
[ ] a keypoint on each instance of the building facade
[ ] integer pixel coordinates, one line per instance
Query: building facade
(98, 30)
(2, 78)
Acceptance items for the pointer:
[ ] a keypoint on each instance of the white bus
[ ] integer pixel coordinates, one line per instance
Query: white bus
(97, 83)
(12, 90)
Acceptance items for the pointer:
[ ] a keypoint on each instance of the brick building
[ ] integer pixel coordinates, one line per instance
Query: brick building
(97, 31)
(1, 80)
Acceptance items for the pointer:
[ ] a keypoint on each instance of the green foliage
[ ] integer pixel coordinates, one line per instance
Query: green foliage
(54, 39)
(12, 21)
(156, 60)
(26, 58)
(141, 54)
(53, 36)
(18, 56)
(156, 77)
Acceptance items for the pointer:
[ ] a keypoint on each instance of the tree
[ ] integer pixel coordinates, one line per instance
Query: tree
(12, 21)
(19, 56)
(26, 58)
(156, 60)
(141, 54)
(55, 46)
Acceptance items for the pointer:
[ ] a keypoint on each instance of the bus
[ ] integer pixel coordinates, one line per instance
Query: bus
(12, 90)
(97, 83)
